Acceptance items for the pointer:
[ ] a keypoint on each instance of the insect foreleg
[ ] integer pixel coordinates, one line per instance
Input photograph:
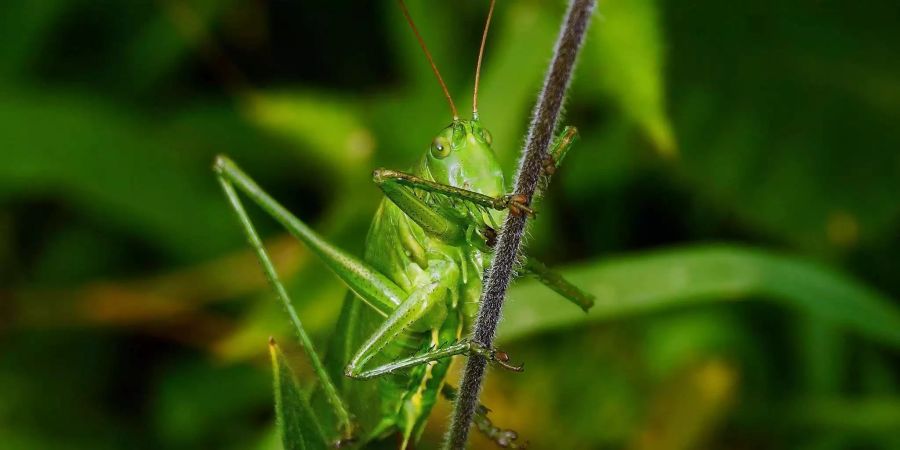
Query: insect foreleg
(428, 300)
(253, 238)
(459, 348)
(434, 223)
(555, 155)
(393, 181)
(405, 363)
(559, 149)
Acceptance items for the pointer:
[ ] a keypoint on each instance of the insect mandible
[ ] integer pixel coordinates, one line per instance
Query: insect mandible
(415, 292)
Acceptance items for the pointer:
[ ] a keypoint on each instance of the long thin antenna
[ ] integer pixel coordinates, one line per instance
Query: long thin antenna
(487, 24)
(430, 59)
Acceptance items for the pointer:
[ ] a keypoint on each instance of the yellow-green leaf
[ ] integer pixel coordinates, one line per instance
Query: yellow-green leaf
(297, 422)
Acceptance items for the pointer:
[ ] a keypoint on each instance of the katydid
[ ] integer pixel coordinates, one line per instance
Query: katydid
(415, 292)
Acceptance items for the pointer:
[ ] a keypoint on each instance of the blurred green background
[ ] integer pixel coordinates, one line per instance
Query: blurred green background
(733, 203)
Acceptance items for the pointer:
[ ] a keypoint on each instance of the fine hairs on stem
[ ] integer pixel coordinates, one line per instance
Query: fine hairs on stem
(543, 124)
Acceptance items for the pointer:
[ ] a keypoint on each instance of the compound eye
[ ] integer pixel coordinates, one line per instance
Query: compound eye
(440, 147)
(486, 136)
(481, 133)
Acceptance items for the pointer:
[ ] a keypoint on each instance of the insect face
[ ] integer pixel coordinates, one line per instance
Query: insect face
(461, 156)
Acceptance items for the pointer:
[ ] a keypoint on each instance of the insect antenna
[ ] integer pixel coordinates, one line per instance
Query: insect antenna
(430, 59)
(487, 24)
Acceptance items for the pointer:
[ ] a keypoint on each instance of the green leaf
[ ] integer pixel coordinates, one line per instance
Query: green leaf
(875, 414)
(784, 132)
(169, 37)
(114, 167)
(657, 281)
(299, 426)
(626, 58)
(188, 406)
(26, 27)
(320, 126)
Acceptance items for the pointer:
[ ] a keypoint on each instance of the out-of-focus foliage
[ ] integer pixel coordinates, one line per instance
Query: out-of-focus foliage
(628, 53)
(297, 422)
(685, 277)
(132, 316)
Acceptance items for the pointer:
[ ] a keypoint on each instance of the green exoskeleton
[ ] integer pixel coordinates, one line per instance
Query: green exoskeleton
(415, 292)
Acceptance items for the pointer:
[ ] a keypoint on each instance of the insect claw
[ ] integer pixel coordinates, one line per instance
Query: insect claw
(378, 175)
(512, 368)
(549, 165)
(502, 358)
(220, 163)
(516, 204)
(494, 355)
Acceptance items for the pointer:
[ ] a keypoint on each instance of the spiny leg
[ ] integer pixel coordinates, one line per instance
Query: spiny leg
(559, 149)
(269, 269)
(537, 269)
(419, 303)
(503, 437)
(373, 287)
(558, 284)
(416, 306)
(433, 222)
(459, 348)
(427, 301)
(390, 180)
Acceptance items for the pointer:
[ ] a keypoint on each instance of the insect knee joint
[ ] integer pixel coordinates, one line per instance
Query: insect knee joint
(220, 163)
(381, 175)
(351, 372)
(501, 358)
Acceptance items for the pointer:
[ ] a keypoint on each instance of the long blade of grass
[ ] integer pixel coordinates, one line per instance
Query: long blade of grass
(694, 276)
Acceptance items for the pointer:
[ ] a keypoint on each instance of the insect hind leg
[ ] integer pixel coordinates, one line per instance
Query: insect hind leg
(372, 286)
(255, 242)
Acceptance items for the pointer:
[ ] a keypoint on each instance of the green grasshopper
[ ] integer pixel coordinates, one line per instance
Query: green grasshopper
(415, 293)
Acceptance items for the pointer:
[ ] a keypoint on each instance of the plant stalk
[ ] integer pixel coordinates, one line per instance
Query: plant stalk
(496, 281)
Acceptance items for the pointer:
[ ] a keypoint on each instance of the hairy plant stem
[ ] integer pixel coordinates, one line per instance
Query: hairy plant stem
(543, 124)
